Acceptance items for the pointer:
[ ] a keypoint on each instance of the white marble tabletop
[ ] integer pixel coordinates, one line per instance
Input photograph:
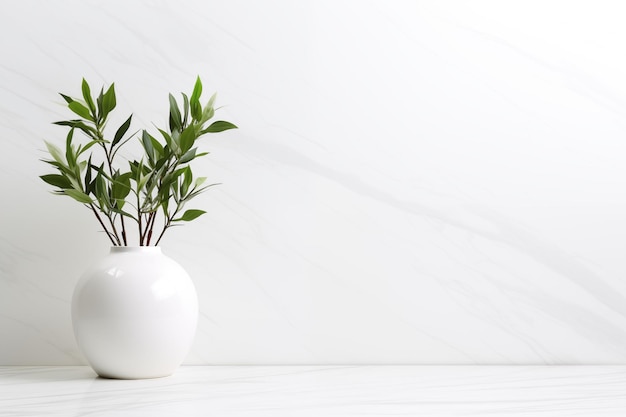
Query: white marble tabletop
(320, 391)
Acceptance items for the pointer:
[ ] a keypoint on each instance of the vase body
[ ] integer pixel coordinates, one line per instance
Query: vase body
(134, 314)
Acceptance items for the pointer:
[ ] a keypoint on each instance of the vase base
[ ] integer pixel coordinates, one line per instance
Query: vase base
(104, 375)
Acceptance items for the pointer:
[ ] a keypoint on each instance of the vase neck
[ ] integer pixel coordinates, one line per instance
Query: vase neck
(135, 249)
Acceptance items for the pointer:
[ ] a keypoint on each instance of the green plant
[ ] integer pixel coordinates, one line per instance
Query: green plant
(150, 191)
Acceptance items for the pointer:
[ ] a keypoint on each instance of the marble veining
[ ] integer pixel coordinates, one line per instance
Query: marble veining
(427, 182)
(319, 391)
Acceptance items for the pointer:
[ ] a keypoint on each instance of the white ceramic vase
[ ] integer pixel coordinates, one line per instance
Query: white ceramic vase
(135, 314)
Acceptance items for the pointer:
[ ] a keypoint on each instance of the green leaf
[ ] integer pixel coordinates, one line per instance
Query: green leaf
(196, 107)
(199, 190)
(67, 99)
(138, 176)
(207, 114)
(175, 144)
(101, 171)
(87, 146)
(89, 185)
(80, 110)
(185, 108)
(120, 187)
(89, 131)
(188, 156)
(175, 119)
(219, 126)
(78, 196)
(170, 181)
(121, 131)
(99, 100)
(196, 110)
(69, 149)
(197, 90)
(101, 191)
(158, 148)
(142, 183)
(209, 111)
(187, 138)
(57, 180)
(61, 167)
(166, 136)
(160, 163)
(134, 168)
(147, 146)
(211, 101)
(187, 179)
(190, 215)
(87, 97)
(108, 101)
(55, 152)
(146, 170)
(199, 181)
(165, 207)
(174, 187)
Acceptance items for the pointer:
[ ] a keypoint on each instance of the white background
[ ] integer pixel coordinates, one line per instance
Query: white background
(412, 182)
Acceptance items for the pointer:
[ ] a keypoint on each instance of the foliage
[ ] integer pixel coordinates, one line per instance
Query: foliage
(151, 191)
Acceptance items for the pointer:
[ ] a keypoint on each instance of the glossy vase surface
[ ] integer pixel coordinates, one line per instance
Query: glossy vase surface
(134, 314)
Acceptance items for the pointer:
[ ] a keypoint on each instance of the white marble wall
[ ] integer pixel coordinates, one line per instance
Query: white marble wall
(412, 182)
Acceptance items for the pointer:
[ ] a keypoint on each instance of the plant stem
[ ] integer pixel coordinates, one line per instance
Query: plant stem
(107, 153)
(123, 230)
(95, 212)
(167, 224)
(114, 229)
(168, 219)
(161, 235)
(139, 218)
(150, 227)
(139, 224)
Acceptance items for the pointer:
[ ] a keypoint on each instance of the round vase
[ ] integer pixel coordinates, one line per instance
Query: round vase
(134, 314)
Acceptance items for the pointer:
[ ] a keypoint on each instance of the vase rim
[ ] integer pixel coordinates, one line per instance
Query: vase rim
(121, 249)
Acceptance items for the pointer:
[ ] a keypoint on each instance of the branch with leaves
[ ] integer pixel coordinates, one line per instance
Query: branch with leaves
(151, 191)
